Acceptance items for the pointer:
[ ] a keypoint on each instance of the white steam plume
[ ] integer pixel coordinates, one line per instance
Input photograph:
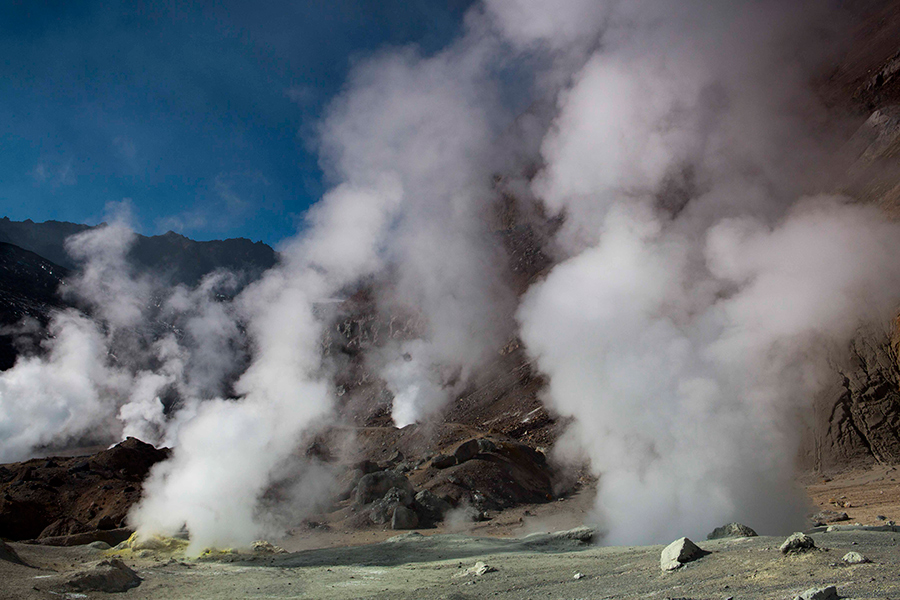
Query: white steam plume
(62, 395)
(102, 378)
(690, 323)
(228, 453)
(431, 122)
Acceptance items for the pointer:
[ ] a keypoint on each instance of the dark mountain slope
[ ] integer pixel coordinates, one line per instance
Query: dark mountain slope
(173, 256)
(28, 292)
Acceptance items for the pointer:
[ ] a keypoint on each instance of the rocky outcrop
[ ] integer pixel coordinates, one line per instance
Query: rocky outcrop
(8, 554)
(64, 498)
(110, 576)
(494, 474)
(857, 418)
(731, 530)
(375, 486)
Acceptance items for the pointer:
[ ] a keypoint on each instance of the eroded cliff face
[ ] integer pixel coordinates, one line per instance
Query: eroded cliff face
(856, 421)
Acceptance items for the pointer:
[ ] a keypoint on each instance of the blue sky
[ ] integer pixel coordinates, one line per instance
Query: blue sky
(200, 113)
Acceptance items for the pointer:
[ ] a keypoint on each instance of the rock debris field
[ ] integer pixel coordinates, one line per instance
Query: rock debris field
(563, 565)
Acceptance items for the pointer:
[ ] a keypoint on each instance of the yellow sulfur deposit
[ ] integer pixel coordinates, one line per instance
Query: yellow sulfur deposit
(154, 544)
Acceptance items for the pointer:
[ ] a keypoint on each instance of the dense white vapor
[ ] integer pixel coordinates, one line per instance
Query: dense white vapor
(692, 320)
(60, 396)
(685, 405)
(75, 389)
(104, 375)
(227, 454)
(428, 123)
(105, 283)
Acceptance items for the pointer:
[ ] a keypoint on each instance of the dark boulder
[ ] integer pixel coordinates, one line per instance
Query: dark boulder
(431, 508)
(404, 518)
(443, 461)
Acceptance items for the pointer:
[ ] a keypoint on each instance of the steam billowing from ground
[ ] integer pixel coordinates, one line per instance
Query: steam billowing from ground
(703, 274)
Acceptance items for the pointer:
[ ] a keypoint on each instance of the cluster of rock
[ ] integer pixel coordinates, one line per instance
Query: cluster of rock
(492, 474)
(682, 551)
(389, 498)
(480, 475)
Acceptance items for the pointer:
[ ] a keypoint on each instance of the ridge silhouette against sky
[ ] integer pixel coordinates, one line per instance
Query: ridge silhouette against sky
(201, 114)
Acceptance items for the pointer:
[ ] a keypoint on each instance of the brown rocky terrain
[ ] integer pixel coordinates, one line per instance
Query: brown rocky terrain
(74, 500)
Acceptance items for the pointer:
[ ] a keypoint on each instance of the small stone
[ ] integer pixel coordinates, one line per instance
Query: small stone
(825, 593)
(679, 552)
(731, 530)
(855, 558)
(798, 542)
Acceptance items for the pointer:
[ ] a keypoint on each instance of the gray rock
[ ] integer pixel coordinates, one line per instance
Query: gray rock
(99, 545)
(404, 518)
(373, 486)
(825, 593)
(582, 534)
(8, 554)
(111, 575)
(679, 552)
(828, 516)
(730, 531)
(855, 558)
(797, 542)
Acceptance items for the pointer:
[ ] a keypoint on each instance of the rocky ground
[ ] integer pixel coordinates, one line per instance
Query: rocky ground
(454, 566)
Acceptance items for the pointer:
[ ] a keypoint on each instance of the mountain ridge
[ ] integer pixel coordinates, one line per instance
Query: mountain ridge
(171, 255)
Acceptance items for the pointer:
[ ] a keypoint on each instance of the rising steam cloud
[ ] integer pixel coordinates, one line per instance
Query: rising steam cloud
(704, 270)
